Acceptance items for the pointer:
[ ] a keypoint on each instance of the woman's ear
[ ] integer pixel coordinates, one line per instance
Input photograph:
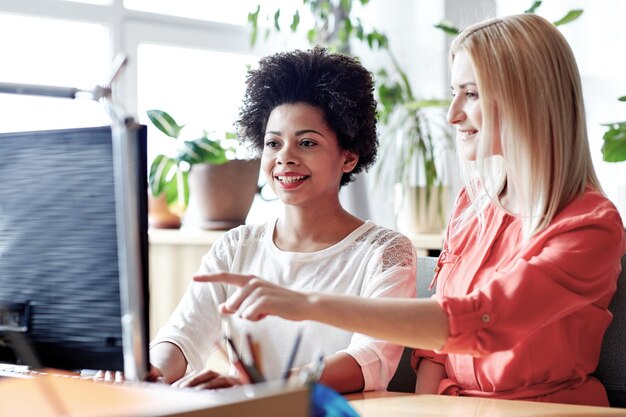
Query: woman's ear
(350, 159)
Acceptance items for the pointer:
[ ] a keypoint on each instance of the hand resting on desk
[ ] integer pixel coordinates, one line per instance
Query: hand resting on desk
(203, 379)
(154, 375)
(206, 379)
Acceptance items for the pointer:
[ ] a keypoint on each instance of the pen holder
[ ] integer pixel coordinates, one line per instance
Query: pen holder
(326, 402)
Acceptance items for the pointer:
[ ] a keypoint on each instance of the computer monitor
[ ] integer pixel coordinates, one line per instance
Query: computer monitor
(74, 248)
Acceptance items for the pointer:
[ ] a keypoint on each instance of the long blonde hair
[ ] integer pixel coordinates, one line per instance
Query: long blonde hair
(530, 91)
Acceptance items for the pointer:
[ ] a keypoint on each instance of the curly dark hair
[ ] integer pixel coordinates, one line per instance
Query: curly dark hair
(337, 84)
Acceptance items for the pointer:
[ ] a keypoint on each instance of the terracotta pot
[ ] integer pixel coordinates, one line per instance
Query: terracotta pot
(159, 215)
(224, 193)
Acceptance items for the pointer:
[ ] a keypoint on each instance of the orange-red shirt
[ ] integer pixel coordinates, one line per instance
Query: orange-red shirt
(527, 319)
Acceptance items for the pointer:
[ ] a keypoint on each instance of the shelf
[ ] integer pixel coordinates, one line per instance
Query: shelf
(198, 237)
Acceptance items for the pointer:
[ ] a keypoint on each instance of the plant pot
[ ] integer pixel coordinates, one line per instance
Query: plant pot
(223, 194)
(419, 213)
(159, 214)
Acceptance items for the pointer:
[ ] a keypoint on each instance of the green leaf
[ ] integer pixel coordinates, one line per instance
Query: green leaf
(448, 28)
(253, 19)
(295, 21)
(311, 35)
(253, 35)
(346, 5)
(360, 32)
(389, 96)
(614, 149)
(415, 105)
(325, 9)
(161, 173)
(185, 190)
(202, 151)
(622, 98)
(171, 190)
(533, 7)
(342, 36)
(344, 33)
(165, 123)
(276, 23)
(377, 38)
(569, 17)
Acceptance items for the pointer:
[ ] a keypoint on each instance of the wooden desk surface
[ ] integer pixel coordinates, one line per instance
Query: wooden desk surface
(391, 404)
(56, 396)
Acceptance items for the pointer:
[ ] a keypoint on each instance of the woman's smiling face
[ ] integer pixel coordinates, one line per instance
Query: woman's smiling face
(302, 159)
(465, 112)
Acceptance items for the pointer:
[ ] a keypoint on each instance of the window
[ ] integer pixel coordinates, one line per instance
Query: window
(189, 60)
(201, 89)
(70, 61)
(233, 11)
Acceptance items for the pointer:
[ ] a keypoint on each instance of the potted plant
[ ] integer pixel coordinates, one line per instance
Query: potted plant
(413, 128)
(614, 147)
(222, 187)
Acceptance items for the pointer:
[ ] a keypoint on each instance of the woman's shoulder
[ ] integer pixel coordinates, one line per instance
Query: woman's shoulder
(590, 207)
(379, 236)
(593, 218)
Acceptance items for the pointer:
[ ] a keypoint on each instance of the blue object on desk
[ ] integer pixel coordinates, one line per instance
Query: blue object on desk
(326, 402)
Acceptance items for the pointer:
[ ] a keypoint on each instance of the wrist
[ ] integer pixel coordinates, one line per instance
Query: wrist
(313, 305)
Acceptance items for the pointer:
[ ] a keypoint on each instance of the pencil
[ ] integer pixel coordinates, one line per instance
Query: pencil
(292, 356)
(250, 371)
(245, 378)
(255, 353)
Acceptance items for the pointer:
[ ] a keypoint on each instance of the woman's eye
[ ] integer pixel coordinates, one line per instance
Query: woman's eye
(471, 95)
(271, 143)
(307, 143)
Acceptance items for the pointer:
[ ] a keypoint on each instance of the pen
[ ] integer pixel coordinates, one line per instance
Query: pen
(255, 353)
(292, 356)
(250, 372)
(245, 378)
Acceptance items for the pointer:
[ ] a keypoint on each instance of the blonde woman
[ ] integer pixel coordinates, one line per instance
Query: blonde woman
(533, 248)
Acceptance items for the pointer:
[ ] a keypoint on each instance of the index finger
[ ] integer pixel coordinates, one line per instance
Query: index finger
(233, 279)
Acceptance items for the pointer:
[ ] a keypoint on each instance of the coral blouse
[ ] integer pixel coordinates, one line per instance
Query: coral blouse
(527, 320)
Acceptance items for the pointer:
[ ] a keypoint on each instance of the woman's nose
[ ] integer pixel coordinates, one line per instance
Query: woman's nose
(455, 112)
(286, 156)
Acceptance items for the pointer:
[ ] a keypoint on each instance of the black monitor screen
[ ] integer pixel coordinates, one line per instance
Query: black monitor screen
(59, 269)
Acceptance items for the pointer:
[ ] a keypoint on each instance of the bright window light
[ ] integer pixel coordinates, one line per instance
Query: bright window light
(200, 89)
(71, 54)
(232, 11)
(98, 2)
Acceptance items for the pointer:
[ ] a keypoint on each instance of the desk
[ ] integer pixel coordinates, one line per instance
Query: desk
(55, 396)
(391, 404)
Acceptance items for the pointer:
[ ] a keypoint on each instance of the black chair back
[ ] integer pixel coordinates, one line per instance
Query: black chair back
(611, 369)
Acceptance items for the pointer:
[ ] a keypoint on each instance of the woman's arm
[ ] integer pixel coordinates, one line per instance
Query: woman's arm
(342, 373)
(429, 375)
(167, 361)
(419, 323)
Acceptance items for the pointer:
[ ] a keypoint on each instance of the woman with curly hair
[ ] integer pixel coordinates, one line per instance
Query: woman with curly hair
(312, 115)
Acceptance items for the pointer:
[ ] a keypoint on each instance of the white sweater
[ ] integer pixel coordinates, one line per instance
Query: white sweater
(370, 262)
